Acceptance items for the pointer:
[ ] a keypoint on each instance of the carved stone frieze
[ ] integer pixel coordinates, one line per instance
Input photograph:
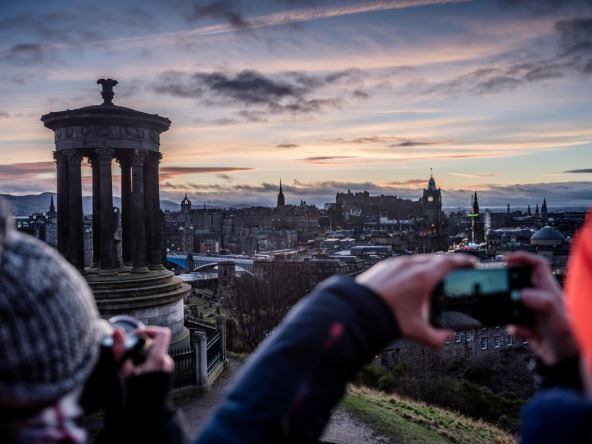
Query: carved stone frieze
(107, 136)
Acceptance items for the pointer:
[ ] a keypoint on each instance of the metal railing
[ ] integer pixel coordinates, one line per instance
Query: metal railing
(184, 368)
(215, 353)
(202, 363)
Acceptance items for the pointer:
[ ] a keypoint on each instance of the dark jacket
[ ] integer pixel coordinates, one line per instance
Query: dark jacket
(559, 412)
(287, 390)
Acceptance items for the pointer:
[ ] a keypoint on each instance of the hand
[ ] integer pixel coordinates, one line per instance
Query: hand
(158, 359)
(550, 335)
(406, 283)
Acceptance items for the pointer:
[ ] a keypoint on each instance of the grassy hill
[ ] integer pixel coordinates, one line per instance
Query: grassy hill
(411, 422)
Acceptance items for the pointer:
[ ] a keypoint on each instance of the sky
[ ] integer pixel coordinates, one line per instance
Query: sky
(493, 96)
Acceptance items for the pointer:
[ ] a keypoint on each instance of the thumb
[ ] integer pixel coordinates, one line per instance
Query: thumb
(435, 337)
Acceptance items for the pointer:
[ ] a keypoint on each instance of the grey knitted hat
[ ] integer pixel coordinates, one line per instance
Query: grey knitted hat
(48, 321)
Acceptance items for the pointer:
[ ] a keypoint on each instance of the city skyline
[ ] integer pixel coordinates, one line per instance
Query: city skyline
(327, 96)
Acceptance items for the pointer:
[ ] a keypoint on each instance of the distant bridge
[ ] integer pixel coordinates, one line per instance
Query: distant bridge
(200, 261)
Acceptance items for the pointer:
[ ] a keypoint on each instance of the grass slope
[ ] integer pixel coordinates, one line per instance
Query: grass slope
(410, 422)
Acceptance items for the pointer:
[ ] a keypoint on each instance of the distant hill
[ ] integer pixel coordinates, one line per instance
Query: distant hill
(39, 203)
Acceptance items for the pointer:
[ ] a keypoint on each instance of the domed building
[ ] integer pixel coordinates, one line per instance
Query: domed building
(547, 237)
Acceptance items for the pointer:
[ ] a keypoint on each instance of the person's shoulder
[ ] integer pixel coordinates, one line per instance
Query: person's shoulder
(557, 415)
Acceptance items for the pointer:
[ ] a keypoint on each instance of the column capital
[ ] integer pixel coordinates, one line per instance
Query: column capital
(137, 158)
(72, 156)
(104, 155)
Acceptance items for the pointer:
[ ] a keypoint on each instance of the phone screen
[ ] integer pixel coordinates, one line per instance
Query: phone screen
(480, 297)
(475, 283)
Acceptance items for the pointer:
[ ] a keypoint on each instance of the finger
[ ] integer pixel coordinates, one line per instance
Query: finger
(524, 258)
(540, 301)
(444, 263)
(519, 331)
(429, 335)
(541, 273)
(161, 339)
(118, 348)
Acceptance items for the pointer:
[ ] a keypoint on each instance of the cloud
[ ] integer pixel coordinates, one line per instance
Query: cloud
(368, 139)
(583, 171)
(4, 115)
(220, 9)
(474, 175)
(72, 25)
(170, 172)
(392, 141)
(25, 54)
(261, 95)
(575, 35)
(539, 6)
(290, 17)
(405, 182)
(26, 171)
(225, 177)
(287, 145)
(325, 159)
(571, 44)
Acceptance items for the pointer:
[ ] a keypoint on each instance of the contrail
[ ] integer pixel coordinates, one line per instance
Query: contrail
(278, 19)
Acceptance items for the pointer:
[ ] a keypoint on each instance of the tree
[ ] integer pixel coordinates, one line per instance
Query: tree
(258, 305)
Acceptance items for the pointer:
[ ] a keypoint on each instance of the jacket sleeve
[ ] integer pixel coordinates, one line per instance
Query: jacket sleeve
(286, 391)
(564, 374)
(146, 416)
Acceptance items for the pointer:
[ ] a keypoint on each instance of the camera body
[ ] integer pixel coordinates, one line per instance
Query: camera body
(136, 345)
(485, 296)
(105, 387)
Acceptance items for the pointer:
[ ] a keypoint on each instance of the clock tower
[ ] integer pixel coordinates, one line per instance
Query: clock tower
(431, 202)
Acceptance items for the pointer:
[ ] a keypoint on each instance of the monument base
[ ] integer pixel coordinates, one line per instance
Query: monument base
(154, 297)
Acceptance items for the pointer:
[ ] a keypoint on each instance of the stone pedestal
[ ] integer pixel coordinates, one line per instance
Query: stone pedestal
(154, 297)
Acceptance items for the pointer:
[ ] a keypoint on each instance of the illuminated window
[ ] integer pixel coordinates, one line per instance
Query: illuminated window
(483, 343)
(497, 341)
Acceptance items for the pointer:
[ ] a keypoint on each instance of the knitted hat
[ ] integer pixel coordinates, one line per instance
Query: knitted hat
(48, 321)
(578, 289)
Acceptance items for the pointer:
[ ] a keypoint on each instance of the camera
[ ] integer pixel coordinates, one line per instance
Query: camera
(105, 386)
(485, 296)
(136, 344)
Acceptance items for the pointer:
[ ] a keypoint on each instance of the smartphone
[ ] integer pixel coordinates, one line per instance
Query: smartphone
(486, 296)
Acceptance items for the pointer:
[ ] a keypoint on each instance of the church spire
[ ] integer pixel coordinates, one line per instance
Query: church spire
(281, 200)
(431, 182)
(544, 209)
(52, 210)
(475, 204)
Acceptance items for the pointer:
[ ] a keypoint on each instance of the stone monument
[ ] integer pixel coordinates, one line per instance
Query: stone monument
(135, 283)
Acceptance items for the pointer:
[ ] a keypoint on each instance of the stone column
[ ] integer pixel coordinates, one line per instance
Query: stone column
(62, 201)
(104, 160)
(96, 216)
(75, 241)
(139, 225)
(126, 209)
(152, 199)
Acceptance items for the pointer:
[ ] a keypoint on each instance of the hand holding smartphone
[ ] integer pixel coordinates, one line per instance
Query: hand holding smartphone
(484, 296)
